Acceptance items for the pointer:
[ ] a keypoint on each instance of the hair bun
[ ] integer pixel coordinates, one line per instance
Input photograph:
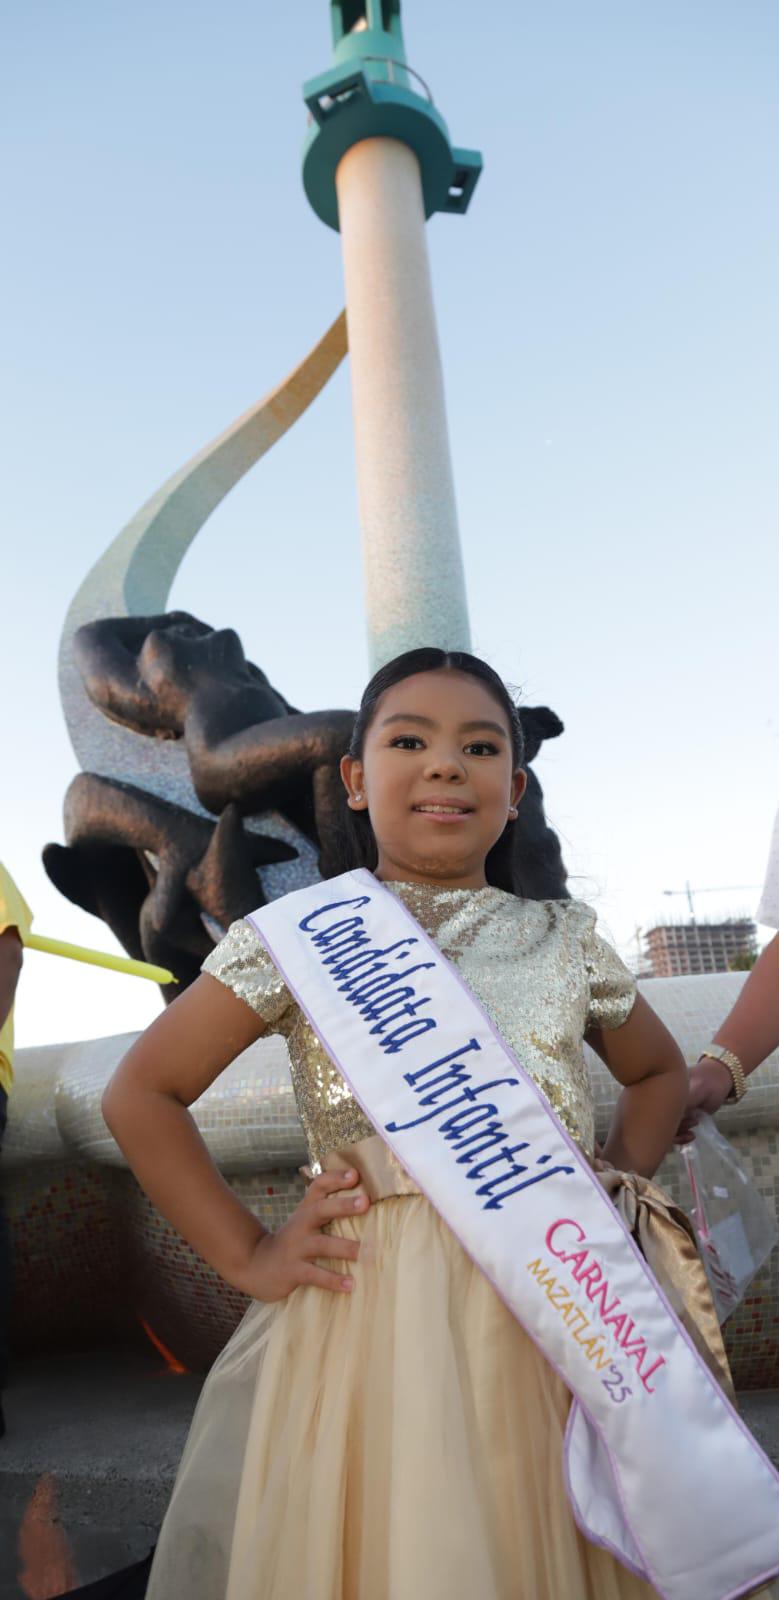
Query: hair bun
(538, 723)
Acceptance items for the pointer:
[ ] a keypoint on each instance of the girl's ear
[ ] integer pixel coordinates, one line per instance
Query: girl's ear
(354, 783)
(518, 787)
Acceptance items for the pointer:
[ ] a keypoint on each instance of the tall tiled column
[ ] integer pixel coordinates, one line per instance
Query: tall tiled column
(377, 162)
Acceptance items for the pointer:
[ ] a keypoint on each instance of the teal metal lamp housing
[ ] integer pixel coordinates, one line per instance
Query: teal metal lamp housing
(371, 92)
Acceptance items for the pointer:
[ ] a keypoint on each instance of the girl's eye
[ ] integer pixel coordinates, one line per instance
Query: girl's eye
(481, 747)
(406, 741)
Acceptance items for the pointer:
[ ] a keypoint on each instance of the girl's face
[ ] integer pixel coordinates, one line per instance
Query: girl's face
(437, 777)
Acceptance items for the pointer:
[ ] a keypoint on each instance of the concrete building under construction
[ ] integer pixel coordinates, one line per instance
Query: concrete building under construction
(676, 949)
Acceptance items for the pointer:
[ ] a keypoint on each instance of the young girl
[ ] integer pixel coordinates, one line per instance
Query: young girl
(380, 1426)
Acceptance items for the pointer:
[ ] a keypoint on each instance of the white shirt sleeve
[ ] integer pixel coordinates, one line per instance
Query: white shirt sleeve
(768, 909)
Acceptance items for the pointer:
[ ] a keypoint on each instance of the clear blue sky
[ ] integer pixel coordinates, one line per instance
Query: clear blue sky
(608, 319)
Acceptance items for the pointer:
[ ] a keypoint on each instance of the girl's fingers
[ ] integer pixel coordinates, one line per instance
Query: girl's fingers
(331, 1183)
(323, 1278)
(331, 1244)
(338, 1205)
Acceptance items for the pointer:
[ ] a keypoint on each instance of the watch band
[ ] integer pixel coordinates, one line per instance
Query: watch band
(718, 1052)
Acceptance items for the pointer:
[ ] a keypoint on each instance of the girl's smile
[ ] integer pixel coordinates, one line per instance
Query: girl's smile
(439, 811)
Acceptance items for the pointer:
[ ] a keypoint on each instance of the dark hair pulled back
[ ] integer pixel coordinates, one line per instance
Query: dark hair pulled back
(357, 845)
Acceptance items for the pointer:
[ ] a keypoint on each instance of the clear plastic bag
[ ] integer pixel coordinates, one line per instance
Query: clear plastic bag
(736, 1231)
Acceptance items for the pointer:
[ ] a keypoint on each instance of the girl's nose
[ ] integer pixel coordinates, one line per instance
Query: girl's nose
(445, 766)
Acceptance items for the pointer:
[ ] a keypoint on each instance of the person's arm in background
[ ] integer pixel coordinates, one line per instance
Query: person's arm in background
(750, 1030)
(15, 921)
(10, 968)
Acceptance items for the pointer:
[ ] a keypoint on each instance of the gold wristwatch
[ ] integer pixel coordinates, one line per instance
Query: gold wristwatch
(718, 1052)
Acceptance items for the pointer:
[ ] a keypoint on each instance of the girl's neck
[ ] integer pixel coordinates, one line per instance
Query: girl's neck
(388, 871)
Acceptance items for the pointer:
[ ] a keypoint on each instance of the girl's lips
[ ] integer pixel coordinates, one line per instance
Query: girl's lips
(443, 813)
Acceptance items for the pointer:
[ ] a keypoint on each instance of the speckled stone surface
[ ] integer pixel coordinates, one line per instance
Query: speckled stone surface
(414, 584)
(89, 1458)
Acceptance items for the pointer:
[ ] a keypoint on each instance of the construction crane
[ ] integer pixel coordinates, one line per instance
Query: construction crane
(726, 888)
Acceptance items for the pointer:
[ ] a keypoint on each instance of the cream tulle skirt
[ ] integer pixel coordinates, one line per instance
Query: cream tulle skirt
(401, 1443)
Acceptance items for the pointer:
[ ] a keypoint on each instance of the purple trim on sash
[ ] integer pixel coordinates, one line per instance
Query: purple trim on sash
(592, 1538)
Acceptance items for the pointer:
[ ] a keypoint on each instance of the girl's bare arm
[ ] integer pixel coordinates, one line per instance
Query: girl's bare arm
(645, 1058)
(145, 1107)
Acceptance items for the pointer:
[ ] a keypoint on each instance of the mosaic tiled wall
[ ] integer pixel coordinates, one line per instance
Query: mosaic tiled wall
(68, 1253)
(752, 1333)
(182, 1299)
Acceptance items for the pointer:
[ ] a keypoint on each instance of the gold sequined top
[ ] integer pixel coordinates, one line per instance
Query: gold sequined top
(538, 967)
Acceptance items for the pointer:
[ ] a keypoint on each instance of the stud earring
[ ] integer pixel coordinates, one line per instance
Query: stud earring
(513, 813)
(358, 796)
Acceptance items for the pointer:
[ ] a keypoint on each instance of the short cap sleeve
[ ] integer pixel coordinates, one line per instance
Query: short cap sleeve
(768, 909)
(241, 962)
(612, 985)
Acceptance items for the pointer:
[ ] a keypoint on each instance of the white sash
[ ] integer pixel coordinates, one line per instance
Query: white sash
(660, 1469)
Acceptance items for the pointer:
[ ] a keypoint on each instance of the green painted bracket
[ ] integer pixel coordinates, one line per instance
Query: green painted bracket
(349, 103)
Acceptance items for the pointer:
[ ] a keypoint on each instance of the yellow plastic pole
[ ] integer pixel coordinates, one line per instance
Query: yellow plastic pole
(99, 958)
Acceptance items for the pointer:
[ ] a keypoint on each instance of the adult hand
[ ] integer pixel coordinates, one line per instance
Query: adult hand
(282, 1261)
(710, 1085)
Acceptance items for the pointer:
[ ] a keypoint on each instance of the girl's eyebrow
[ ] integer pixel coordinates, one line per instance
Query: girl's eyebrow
(408, 716)
(473, 727)
(427, 722)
